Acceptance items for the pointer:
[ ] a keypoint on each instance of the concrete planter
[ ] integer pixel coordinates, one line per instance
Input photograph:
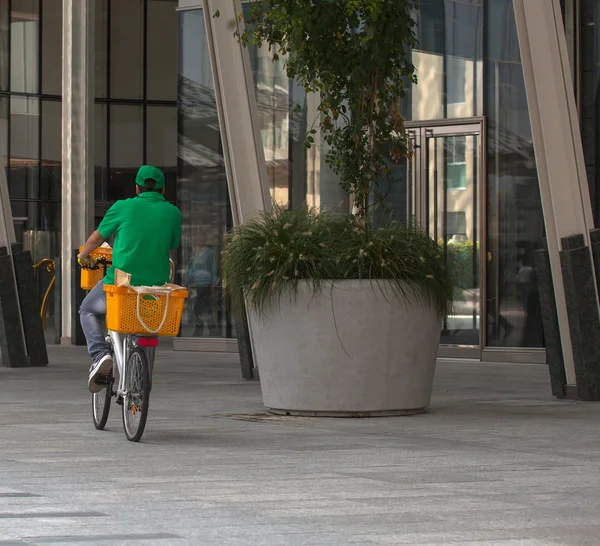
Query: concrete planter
(350, 351)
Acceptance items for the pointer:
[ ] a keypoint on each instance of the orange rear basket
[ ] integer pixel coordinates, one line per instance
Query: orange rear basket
(160, 314)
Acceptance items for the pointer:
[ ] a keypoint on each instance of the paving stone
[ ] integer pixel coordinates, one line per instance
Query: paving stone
(497, 460)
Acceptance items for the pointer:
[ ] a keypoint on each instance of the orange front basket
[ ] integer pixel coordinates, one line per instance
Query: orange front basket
(91, 277)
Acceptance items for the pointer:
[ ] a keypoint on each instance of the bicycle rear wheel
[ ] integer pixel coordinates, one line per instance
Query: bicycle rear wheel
(101, 403)
(136, 397)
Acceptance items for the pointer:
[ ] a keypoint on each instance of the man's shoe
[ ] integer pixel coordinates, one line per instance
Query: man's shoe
(103, 367)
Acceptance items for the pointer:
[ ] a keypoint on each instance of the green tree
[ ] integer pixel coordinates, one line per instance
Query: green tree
(356, 55)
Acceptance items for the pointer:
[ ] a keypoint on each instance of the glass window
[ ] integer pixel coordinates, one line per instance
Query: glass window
(4, 131)
(202, 187)
(296, 175)
(161, 78)
(101, 40)
(126, 49)
(448, 61)
(515, 226)
(24, 148)
(50, 182)
(161, 144)
(52, 47)
(456, 225)
(37, 227)
(590, 101)
(273, 99)
(100, 167)
(126, 150)
(4, 45)
(456, 166)
(24, 52)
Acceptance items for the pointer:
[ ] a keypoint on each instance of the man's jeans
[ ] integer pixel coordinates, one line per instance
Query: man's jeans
(93, 313)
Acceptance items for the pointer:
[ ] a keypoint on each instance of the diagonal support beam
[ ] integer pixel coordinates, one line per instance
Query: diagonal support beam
(563, 188)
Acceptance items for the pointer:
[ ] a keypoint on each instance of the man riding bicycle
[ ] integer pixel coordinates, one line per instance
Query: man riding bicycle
(146, 229)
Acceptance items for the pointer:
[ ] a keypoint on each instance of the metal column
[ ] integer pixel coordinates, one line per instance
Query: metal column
(77, 144)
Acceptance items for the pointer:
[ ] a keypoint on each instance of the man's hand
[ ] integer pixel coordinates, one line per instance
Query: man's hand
(86, 260)
(92, 244)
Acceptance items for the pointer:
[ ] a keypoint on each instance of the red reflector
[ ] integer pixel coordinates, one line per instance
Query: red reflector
(147, 342)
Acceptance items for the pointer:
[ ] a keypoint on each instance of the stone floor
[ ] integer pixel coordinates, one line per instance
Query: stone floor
(497, 461)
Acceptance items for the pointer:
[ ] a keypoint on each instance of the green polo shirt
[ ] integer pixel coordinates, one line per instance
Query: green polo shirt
(146, 228)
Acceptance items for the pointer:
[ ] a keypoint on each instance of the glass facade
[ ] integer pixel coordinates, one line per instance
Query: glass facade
(30, 114)
(202, 186)
(135, 111)
(468, 65)
(295, 174)
(473, 181)
(286, 113)
(136, 96)
(515, 224)
(30, 123)
(448, 61)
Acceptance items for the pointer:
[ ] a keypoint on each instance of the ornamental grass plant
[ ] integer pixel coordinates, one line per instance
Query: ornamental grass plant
(267, 257)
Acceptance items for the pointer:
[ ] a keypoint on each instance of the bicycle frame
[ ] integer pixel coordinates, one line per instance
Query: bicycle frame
(122, 347)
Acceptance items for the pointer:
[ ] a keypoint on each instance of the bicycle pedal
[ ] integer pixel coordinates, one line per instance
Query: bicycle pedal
(103, 380)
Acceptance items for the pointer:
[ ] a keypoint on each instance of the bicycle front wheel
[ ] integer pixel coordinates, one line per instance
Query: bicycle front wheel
(136, 397)
(101, 404)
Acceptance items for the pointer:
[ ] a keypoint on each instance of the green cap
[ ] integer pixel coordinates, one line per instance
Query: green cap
(148, 171)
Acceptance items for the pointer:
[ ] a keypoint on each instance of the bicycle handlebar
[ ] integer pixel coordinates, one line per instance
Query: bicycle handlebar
(97, 263)
(107, 263)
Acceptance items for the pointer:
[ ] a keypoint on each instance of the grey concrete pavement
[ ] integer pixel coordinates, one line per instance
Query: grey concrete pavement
(497, 461)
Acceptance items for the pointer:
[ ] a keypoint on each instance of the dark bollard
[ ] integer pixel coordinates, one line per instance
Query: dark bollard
(12, 343)
(582, 308)
(57, 302)
(244, 345)
(554, 354)
(35, 340)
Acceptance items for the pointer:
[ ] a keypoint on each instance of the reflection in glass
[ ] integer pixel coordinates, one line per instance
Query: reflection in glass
(273, 100)
(100, 167)
(202, 187)
(448, 61)
(296, 175)
(126, 150)
(3, 132)
(452, 216)
(162, 52)
(398, 193)
(37, 219)
(37, 226)
(515, 226)
(591, 116)
(161, 144)
(23, 180)
(4, 45)
(50, 182)
(126, 48)
(24, 48)
(101, 49)
(52, 47)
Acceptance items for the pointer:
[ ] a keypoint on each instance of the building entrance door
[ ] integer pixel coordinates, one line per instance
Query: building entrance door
(443, 194)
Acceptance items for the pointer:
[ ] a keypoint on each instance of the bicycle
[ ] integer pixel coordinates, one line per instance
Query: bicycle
(133, 355)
